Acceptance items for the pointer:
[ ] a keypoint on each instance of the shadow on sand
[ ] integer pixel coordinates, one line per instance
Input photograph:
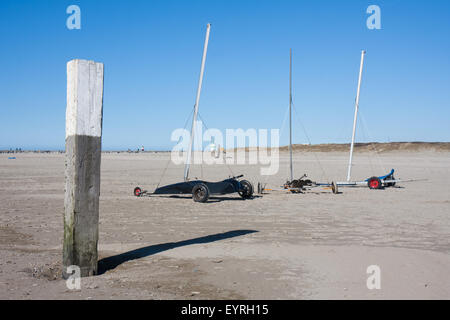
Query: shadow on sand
(211, 199)
(112, 262)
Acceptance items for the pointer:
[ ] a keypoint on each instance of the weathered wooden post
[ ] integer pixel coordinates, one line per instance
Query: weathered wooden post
(82, 173)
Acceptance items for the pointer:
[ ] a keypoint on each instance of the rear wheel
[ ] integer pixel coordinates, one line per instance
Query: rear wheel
(247, 189)
(374, 183)
(390, 184)
(137, 192)
(200, 193)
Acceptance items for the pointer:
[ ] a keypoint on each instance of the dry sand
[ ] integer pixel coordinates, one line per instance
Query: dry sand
(279, 246)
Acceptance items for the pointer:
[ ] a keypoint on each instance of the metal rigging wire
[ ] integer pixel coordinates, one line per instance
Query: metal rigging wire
(168, 161)
(283, 124)
(365, 127)
(228, 166)
(324, 174)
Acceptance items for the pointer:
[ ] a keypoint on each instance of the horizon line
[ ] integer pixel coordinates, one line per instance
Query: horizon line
(152, 149)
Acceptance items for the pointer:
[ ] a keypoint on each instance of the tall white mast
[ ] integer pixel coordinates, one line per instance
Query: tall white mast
(356, 116)
(290, 113)
(197, 100)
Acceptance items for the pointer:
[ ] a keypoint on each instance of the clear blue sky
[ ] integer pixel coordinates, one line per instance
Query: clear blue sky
(152, 52)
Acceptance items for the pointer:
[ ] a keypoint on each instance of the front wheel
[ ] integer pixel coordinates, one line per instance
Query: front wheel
(200, 193)
(374, 183)
(137, 192)
(246, 189)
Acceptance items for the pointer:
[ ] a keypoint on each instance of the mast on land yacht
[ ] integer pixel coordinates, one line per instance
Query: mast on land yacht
(290, 114)
(197, 100)
(355, 117)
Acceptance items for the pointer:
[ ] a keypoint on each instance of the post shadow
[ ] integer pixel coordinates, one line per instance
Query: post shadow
(112, 262)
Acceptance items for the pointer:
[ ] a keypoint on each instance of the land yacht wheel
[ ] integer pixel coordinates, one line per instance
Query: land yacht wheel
(137, 192)
(247, 189)
(200, 193)
(334, 187)
(374, 183)
(390, 184)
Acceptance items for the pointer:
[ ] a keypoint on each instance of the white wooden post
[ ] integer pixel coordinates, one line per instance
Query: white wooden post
(82, 173)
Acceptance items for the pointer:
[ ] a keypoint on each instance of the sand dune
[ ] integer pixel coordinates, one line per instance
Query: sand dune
(370, 147)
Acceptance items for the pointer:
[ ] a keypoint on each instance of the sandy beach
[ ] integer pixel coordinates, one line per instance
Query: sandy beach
(314, 245)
